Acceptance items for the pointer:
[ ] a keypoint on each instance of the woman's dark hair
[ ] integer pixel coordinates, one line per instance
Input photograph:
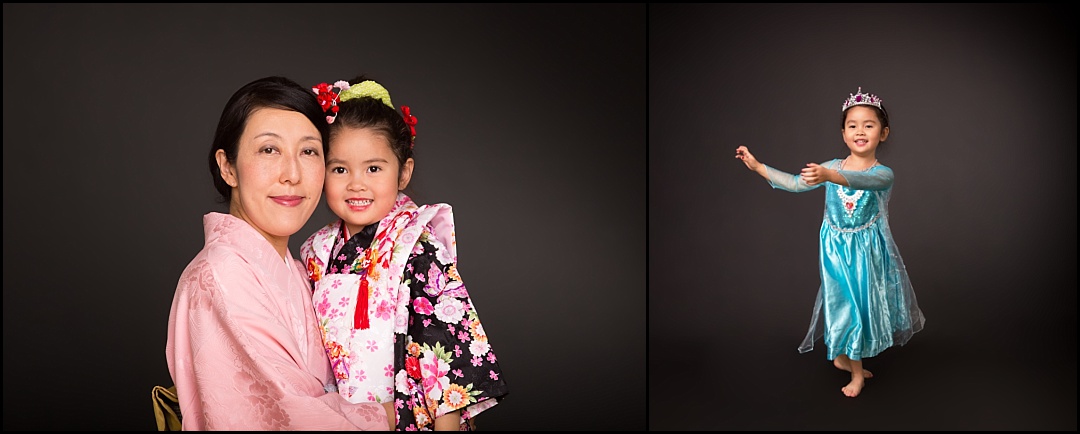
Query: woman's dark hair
(368, 112)
(270, 92)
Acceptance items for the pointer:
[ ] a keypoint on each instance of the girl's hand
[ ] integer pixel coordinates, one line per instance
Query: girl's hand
(747, 158)
(814, 174)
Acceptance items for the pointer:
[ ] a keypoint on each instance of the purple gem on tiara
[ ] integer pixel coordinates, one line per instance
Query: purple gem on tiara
(858, 98)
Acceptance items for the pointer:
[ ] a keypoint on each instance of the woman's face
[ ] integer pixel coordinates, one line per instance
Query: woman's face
(362, 177)
(278, 177)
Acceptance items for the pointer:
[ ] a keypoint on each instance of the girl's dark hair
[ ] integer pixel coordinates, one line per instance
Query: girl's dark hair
(269, 92)
(882, 115)
(368, 112)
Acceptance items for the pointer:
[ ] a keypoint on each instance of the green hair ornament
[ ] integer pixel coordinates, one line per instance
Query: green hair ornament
(365, 88)
(329, 99)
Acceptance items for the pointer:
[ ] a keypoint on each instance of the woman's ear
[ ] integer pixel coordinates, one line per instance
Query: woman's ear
(228, 173)
(406, 174)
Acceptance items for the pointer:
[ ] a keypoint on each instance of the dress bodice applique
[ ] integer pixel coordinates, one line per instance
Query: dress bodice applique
(847, 209)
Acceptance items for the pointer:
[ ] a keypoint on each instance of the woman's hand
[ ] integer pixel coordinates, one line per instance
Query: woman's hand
(815, 174)
(391, 414)
(747, 158)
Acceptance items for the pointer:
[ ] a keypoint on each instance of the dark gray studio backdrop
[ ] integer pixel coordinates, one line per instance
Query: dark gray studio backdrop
(982, 101)
(531, 124)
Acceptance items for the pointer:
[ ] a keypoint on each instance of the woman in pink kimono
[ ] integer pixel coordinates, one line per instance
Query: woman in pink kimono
(398, 324)
(244, 348)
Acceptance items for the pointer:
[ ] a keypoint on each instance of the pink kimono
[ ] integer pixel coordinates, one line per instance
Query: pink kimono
(244, 346)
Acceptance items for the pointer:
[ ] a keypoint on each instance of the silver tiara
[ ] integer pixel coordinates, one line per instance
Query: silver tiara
(859, 98)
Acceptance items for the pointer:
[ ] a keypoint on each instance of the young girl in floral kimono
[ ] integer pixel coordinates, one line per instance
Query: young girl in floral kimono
(865, 295)
(397, 322)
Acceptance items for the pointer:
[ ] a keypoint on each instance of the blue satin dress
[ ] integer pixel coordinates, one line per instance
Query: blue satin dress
(865, 303)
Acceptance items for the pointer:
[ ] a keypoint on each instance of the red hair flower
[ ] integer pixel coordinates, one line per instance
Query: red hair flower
(410, 120)
(328, 100)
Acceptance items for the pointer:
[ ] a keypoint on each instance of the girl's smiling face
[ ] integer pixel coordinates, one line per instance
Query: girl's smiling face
(862, 131)
(363, 177)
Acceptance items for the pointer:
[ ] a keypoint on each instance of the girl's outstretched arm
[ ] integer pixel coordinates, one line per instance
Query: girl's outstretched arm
(777, 179)
(751, 163)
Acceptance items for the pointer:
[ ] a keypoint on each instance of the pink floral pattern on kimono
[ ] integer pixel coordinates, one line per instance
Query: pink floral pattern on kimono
(244, 349)
(423, 328)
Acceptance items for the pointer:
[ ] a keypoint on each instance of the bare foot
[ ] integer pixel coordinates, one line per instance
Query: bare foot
(843, 363)
(853, 388)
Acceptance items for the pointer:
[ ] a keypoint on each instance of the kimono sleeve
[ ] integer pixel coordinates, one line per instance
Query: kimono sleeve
(877, 178)
(450, 362)
(238, 366)
(785, 181)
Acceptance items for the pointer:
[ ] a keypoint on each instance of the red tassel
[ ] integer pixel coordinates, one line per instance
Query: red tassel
(360, 318)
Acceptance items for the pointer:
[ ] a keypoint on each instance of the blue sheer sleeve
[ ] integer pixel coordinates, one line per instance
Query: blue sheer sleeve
(876, 178)
(788, 182)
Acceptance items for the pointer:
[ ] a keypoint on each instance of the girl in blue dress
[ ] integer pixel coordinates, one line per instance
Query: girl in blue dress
(865, 303)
